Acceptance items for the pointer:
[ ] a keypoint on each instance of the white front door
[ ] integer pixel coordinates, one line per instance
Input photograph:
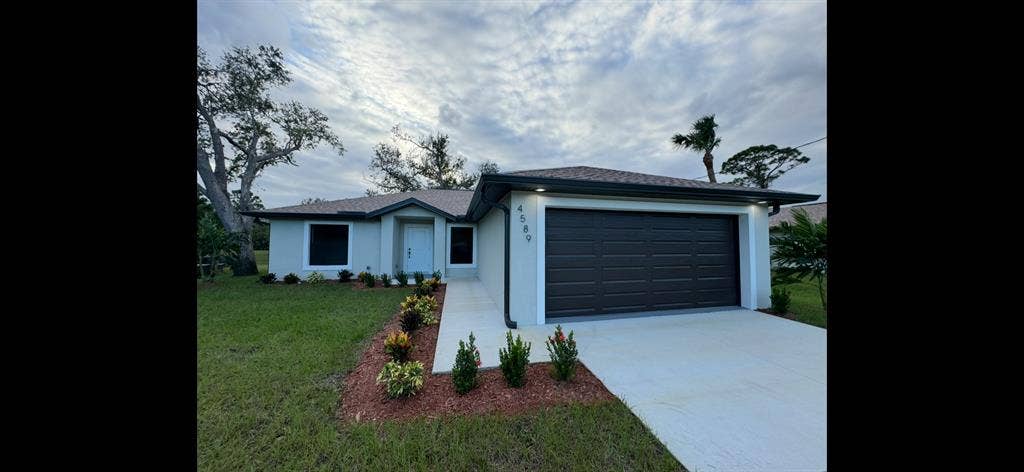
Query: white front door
(419, 249)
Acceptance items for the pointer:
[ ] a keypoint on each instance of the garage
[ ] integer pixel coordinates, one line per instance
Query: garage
(600, 262)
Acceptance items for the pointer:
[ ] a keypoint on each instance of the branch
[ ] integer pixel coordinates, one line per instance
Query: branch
(220, 172)
(277, 154)
(232, 141)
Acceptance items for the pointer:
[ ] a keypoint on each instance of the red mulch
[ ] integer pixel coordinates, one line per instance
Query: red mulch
(362, 399)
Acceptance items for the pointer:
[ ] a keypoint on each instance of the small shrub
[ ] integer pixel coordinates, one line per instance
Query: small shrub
(427, 306)
(370, 281)
(345, 275)
(418, 276)
(437, 275)
(434, 283)
(363, 276)
(291, 278)
(409, 302)
(411, 320)
(315, 278)
(467, 362)
(401, 380)
(268, 278)
(398, 345)
(422, 290)
(563, 354)
(385, 280)
(780, 300)
(514, 360)
(403, 278)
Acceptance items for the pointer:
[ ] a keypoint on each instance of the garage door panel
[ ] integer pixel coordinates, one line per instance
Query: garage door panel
(600, 262)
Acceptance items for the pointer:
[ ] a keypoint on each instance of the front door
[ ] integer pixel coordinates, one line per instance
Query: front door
(419, 249)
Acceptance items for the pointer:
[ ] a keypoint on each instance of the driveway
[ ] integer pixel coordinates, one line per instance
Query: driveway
(725, 391)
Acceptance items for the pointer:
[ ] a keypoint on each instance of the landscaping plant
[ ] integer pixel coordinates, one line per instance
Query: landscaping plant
(411, 319)
(370, 280)
(418, 276)
(780, 300)
(345, 275)
(291, 278)
(315, 278)
(433, 283)
(514, 360)
(801, 250)
(437, 275)
(403, 278)
(268, 278)
(467, 362)
(563, 354)
(385, 280)
(401, 379)
(398, 345)
(427, 306)
(362, 277)
(422, 290)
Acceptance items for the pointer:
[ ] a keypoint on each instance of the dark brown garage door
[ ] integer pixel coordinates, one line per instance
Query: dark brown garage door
(602, 262)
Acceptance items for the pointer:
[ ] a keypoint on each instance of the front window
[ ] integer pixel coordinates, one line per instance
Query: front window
(328, 245)
(461, 245)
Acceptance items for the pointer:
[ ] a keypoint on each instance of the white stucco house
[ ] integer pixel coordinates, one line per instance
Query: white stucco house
(552, 244)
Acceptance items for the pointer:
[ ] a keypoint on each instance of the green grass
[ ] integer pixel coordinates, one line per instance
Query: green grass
(263, 262)
(805, 302)
(269, 363)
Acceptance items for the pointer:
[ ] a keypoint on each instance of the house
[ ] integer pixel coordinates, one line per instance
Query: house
(551, 245)
(817, 212)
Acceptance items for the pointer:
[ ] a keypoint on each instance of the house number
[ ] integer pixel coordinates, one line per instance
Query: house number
(526, 228)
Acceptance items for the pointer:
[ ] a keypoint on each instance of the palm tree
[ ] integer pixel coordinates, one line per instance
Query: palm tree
(701, 138)
(801, 250)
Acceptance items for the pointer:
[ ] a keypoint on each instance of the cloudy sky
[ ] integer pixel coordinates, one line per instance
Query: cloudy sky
(535, 85)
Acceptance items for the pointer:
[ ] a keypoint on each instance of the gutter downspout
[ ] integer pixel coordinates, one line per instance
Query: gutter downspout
(775, 209)
(508, 223)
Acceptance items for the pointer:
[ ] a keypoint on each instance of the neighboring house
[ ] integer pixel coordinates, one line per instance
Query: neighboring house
(551, 244)
(817, 212)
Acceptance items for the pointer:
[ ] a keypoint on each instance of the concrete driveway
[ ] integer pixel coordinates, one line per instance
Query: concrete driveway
(725, 391)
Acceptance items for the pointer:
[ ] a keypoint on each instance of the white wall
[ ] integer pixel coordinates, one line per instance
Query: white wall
(491, 255)
(286, 242)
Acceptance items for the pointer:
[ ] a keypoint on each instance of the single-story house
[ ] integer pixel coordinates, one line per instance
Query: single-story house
(817, 212)
(552, 244)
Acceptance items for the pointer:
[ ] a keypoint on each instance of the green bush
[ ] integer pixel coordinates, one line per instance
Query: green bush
(291, 278)
(403, 278)
(418, 276)
(268, 278)
(385, 280)
(437, 275)
(401, 380)
(427, 306)
(514, 360)
(370, 280)
(433, 283)
(398, 345)
(563, 354)
(780, 300)
(345, 275)
(411, 319)
(422, 290)
(467, 362)
(315, 278)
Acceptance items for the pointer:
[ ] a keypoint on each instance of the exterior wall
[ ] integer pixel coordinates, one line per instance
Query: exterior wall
(491, 254)
(527, 256)
(286, 243)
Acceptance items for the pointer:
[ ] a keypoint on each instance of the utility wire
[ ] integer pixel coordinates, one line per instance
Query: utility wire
(798, 147)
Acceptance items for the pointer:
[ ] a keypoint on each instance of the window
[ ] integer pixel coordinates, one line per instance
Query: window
(461, 249)
(327, 245)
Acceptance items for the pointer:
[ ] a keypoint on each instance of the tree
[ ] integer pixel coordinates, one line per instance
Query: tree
(801, 250)
(214, 243)
(233, 106)
(426, 163)
(760, 165)
(307, 201)
(702, 139)
(488, 167)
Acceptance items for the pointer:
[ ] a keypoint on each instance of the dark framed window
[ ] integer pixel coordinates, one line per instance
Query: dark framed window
(328, 245)
(462, 245)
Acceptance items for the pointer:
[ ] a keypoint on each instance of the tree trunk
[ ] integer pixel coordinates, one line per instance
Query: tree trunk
(709, 162)
(245, 264)
(821, 293)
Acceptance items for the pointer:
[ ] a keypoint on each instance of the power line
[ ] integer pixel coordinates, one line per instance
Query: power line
(798, 147)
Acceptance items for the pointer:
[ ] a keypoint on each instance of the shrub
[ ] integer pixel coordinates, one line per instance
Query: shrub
(467, 362)
(398, 345)
(421, 290)
(514, 360)
(315, 278)
(363, 275)
(563, 354)
(403, 278)
(437, 275)
(427, 307)
(400, 379)
(291, 278)
(268, 278)
(434, 283)
(411, 320)
(385, 280)
(345, 276)
(370, 280)
(780, 300)
(418, 276)
(409, 302)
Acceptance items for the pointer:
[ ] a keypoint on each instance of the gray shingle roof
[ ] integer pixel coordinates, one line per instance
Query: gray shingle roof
(817, 211)
(597, 174)
(454, 202)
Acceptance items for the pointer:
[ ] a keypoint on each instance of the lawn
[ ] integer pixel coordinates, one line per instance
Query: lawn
(805, 302)
(270, 360)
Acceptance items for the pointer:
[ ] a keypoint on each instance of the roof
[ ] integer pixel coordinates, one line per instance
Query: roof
(471, 205)
(817, 212)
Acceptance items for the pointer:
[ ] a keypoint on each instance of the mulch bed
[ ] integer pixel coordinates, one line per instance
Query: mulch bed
(362, 399)
(788, 316)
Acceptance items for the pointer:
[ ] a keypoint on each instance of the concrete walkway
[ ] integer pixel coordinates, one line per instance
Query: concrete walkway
(728, 390)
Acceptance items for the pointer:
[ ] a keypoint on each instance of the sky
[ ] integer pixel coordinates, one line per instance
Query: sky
(533, 85)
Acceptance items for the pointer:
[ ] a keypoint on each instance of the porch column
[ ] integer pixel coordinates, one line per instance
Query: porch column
(387, 243)
(440, 244)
